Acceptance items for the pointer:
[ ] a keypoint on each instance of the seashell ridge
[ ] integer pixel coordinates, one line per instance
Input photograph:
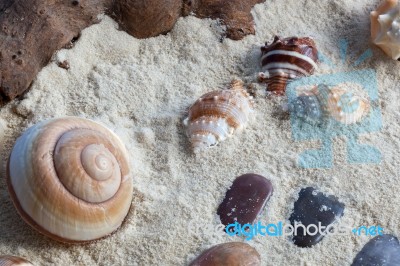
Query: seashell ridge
(216, 115)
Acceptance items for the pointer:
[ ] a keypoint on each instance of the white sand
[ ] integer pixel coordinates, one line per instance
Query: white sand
(141, 89)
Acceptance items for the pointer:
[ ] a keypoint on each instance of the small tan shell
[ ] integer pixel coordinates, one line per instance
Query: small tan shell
(69, 179)
(14, 261)
(229, 254)
(385, 28)
(347, 107)
(217, 115)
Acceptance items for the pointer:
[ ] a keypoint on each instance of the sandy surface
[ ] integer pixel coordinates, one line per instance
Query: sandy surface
(141, 90)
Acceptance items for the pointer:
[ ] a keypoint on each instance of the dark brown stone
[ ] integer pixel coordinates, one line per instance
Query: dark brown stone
(245, 199)
(229, 254)
(64, 64)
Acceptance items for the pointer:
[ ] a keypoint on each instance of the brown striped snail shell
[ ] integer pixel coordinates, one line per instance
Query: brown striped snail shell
(286, 59)
(69, 179)
(229, 254)
(385, 28)
(14, 261)
(216, 115)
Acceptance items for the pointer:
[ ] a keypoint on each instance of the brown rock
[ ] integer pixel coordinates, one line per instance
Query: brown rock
(147, 18)
(32, 30)
(235, 14)
(229, 254)
(245, 199)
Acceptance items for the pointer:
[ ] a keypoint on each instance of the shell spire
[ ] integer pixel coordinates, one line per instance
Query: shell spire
(385, 28)
(286, 59)
(69, 178)
(216, 115)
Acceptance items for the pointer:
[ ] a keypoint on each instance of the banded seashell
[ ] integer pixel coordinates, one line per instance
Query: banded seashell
(13, 261)
(286, 59)
(69, 179)
(385, 28)
(216, 115)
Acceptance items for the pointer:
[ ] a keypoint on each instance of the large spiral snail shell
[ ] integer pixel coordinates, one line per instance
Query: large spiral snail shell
(216, 115)
(13, 261)
(286, 59)
(69, 179)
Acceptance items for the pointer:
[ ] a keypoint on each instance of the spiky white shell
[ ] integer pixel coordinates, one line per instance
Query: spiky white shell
(69, 179)
(385, 28)
(13, 261)
(217, 115)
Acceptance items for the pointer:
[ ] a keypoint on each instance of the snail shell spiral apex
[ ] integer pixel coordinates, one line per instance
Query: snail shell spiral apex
(217, 115)
(287, 59)
(69, 179)
(13, 261)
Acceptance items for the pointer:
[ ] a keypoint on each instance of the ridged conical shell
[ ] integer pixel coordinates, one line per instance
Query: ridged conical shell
(286, 59)
(69, 179)
(217, 114)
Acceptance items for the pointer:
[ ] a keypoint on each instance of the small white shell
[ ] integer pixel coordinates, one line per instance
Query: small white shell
(69, 179)
(341, 103)
(14, 261)
(347, 107)
(217, 115)
(385, 28)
